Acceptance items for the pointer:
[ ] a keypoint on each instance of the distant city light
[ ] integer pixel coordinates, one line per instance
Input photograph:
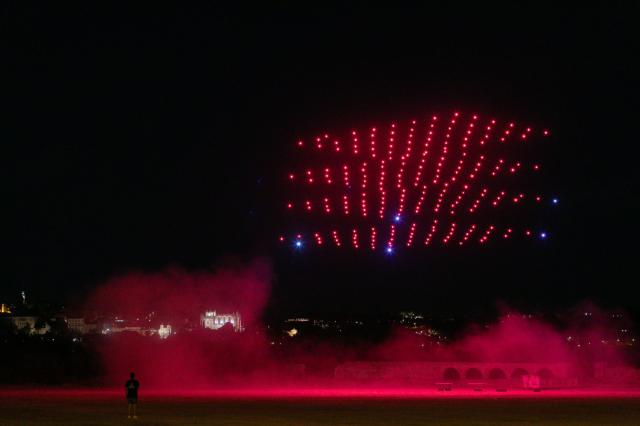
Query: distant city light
(389, 250)
(298, 244)
(164, 331)
(555, 201)
(292, 332)
(543, 235)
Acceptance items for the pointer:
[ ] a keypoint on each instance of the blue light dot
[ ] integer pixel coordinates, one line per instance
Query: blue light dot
(397, 218)
(555, 201)
(543, 235)
(389, 250)
(298, 244)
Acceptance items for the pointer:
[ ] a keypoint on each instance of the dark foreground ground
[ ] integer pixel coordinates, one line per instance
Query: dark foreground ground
(26, 408)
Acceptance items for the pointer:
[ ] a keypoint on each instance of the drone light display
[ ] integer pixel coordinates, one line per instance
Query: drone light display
(448, 180)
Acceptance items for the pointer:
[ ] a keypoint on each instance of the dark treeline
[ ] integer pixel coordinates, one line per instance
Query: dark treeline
(51, 359)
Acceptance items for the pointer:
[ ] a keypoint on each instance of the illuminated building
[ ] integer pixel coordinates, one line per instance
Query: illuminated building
(5, 309)
(297, 320)
(214, 321)
(111, 330)
(79, 325)
(164, 331)
(28, 323)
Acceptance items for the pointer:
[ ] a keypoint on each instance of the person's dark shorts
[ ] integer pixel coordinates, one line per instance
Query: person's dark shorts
(132, 400)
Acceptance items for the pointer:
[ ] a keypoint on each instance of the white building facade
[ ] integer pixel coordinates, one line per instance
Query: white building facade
(80, 326)
(28, 324)
(215, 321)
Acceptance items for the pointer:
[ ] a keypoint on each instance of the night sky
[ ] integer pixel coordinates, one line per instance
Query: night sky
(135, 139)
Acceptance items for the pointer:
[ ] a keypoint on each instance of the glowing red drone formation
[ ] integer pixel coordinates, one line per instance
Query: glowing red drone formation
(448, 180)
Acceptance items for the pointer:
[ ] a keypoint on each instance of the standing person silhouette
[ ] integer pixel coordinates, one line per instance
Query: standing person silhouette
(131, 387)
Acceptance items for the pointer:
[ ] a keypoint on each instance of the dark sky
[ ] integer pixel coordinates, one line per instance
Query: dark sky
(141, 138)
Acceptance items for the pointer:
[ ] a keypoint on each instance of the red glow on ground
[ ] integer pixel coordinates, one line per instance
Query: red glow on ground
(328, 393)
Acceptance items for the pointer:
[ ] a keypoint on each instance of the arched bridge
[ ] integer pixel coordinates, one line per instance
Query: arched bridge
(450, 371)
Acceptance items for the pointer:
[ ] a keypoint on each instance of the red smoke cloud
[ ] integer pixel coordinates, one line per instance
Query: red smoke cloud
(205, 359)
(513, 338)
(187, 359)
(178, 293)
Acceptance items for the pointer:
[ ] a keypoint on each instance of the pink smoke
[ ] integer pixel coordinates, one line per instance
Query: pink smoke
(513, 338)
(187, 359)
(205, 359)
(179, 293)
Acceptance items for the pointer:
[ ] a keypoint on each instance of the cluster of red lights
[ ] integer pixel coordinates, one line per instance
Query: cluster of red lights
(354, 238)
(412, 232)
(449, 235)
(434, 228)
(497, 199)
(392, 236)
(487, 234)
(372, 241)
(477, 201)
(467, 234)
(424, 197)
(336, 238)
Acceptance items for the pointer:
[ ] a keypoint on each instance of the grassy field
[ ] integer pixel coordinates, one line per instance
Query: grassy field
(26, 410)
